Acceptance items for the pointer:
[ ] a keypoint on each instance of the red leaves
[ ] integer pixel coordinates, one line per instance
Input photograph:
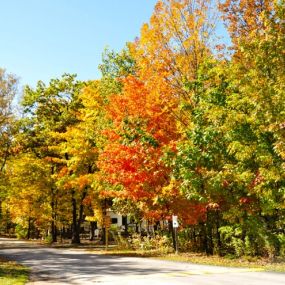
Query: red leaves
(133, 153)
(134, 167)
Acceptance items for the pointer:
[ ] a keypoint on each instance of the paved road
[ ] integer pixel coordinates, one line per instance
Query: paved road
(66, 266)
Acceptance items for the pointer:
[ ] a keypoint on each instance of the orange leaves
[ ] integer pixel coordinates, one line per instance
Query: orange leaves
(145, 112)
(78, 183)
(129, 104)
(132, 156)
(63, 172)
(138, 108)
(246, 18)
(134, 167)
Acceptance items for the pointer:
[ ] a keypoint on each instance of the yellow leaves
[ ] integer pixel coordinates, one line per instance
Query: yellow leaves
(270, 174)
(91, 96)
(172, 46)
(265, 160)
(280, 148)
(171, 189)
(98, 215)
(240, 151)
(29, 183)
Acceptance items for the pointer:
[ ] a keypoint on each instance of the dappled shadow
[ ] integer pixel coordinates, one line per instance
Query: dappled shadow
(63, 265)
(73, 266)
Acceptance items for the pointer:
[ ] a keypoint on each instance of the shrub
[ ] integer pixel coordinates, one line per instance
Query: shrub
(21, 232)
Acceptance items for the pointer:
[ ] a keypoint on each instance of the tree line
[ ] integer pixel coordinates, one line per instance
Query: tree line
(179, 123)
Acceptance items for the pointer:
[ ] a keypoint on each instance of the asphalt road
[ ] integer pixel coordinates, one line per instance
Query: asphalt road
(70, 266)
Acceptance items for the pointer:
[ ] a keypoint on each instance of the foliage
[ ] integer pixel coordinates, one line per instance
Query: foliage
(159, 243)
(178, 124)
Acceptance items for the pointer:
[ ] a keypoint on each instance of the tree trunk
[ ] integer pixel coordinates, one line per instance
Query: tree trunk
(171, 230)
(125, 224)
(29, 228)
(93, 227)
(75, 227)
(77, 222)
(204, 238)
(218, 236)
(53, 212)
(209, 234)
(53, 231)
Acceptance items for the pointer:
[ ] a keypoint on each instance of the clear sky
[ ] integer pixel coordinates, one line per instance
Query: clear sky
(42, 39)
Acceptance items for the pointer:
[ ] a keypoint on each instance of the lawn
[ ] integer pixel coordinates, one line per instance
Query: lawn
(12, 273)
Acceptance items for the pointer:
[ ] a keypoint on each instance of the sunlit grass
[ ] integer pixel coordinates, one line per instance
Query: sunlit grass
(261, 264)
(12, 273)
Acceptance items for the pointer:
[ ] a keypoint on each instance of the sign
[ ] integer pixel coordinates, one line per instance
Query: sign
(175, 223)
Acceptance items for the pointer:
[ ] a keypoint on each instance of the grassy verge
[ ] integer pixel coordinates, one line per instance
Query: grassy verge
(262, 264)
(12, 273)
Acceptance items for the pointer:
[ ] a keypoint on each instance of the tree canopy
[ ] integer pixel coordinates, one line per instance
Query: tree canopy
(179, 123)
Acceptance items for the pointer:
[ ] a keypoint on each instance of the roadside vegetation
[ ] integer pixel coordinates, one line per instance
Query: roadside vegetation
(161, 248)
(12, 273)
(257, 263)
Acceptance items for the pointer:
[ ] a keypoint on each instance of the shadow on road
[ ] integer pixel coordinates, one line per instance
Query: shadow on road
(66, 265)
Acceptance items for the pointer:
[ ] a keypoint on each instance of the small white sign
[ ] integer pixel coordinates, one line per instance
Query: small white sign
(175, 223)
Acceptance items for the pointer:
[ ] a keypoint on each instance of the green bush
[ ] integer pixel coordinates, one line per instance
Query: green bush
(281, 239)
(160, 243)
(232, 239)
(21, 233)
(122, 242)
(48, 239)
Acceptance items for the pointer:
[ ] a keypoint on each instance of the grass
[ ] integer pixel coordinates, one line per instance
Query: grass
(260, 264)
(12, 273)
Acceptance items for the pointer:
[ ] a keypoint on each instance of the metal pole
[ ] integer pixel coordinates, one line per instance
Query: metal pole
(176, 240)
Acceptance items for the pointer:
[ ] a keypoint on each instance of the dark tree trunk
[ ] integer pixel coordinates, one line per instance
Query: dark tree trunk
(125, 224)
(137, 228)
(204, 238)
(29, 228)
(77, 222)
(218, 236)
(93, 227)
(53, 212)
(171, 230)
(53, 231)
(75, 227)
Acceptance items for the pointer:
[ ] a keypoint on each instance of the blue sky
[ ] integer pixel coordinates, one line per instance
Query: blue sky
(42, 39)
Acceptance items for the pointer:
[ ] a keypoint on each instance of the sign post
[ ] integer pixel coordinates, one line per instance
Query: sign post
(175, 225)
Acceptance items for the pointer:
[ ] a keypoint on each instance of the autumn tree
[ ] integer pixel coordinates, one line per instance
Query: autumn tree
(8, 90)
(29, 183)
(48, 112)
(254, 118)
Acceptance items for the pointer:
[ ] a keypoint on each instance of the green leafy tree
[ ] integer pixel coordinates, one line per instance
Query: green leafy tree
(48, 112)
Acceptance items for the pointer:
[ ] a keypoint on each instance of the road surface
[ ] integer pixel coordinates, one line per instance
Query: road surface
(72, 266)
